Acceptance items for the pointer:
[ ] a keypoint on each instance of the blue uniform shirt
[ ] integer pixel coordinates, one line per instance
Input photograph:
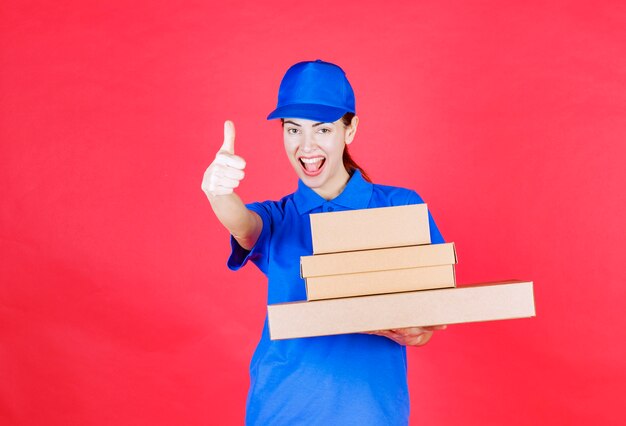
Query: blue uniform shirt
(352, 379)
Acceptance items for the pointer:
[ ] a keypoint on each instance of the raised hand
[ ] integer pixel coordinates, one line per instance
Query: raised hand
(227, 169)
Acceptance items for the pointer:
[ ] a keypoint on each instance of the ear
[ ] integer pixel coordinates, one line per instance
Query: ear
(351, 130)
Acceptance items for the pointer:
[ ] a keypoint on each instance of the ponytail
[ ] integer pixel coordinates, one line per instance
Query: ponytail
(348, 162)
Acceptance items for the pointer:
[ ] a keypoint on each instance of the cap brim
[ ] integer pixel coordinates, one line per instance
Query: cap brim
(321, 113)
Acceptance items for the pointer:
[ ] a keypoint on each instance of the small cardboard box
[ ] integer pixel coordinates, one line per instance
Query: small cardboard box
(486, 302)
(377, 260)
(370, 228)
(379, 282)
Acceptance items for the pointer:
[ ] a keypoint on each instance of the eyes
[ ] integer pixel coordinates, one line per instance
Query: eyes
(321, 130)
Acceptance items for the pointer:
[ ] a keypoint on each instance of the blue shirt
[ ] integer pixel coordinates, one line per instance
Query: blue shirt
(352, 379)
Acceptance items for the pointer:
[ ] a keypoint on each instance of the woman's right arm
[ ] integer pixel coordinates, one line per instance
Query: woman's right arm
(219, 181)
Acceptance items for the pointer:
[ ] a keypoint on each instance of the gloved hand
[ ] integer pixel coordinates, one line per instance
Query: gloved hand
(227, 169)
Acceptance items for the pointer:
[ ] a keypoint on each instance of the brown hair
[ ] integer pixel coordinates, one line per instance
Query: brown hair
(348, 162)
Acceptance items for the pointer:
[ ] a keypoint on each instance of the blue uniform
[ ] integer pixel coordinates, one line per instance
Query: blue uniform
(352, 379)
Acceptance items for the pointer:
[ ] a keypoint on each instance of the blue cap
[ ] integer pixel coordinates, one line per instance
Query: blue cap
(314, 90)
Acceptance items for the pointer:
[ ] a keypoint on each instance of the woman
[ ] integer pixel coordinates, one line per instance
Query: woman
(333, 380)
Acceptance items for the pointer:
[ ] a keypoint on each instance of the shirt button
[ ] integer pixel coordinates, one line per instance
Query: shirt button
(331, 208)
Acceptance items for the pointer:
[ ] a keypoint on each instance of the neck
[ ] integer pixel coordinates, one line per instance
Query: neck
(333, 188)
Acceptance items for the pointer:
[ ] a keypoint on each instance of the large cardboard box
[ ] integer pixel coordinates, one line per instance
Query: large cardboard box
(370, 228)
(377, 260)
(379, 282)
(484, 302)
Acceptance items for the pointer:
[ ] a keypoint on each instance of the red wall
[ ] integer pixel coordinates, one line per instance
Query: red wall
(116, 306)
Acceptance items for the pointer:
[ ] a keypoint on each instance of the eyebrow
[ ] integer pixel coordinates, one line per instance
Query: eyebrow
(296, 124)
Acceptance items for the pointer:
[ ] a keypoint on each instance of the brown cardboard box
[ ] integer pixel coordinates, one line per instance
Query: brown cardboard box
(377, 260)
(370, 228)
(379, 282)
(485, 302)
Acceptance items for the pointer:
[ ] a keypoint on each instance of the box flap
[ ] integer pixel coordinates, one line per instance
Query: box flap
(377, 260)
(365, 229)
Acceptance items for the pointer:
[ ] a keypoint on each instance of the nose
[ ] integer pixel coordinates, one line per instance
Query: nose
(307, 144)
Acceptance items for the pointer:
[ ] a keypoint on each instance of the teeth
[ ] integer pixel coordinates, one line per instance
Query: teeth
(311, 160)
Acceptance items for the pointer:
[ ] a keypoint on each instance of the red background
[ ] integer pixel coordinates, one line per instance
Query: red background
(116, 306)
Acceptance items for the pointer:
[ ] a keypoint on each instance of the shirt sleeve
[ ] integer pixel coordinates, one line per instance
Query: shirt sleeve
(435, 234)
(239, 256)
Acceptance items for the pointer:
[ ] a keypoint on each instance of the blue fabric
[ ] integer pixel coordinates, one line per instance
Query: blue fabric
(314, 90)
(353, 379)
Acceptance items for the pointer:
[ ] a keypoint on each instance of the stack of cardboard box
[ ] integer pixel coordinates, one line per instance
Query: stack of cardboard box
(375, 269)
(379, 255)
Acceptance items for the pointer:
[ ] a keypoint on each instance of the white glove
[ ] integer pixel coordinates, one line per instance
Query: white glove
(227, 170)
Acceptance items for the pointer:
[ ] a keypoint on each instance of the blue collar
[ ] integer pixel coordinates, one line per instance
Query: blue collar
(356, 195)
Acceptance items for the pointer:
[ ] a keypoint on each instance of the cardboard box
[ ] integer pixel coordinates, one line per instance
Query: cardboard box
(486, 302)
(377, 260)
(379, 282)
(370, 228)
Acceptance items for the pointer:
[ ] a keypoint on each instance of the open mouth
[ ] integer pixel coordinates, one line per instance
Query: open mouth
(312, 166)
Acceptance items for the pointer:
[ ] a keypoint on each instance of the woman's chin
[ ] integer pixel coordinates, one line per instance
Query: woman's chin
(312, 181)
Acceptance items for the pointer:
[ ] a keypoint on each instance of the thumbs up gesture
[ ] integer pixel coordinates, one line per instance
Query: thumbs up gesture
(226, 171)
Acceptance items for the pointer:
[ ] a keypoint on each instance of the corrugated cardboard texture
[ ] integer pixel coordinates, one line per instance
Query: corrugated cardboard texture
(383, 312)
(377, 260)
(380, 282)
(370, 228)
